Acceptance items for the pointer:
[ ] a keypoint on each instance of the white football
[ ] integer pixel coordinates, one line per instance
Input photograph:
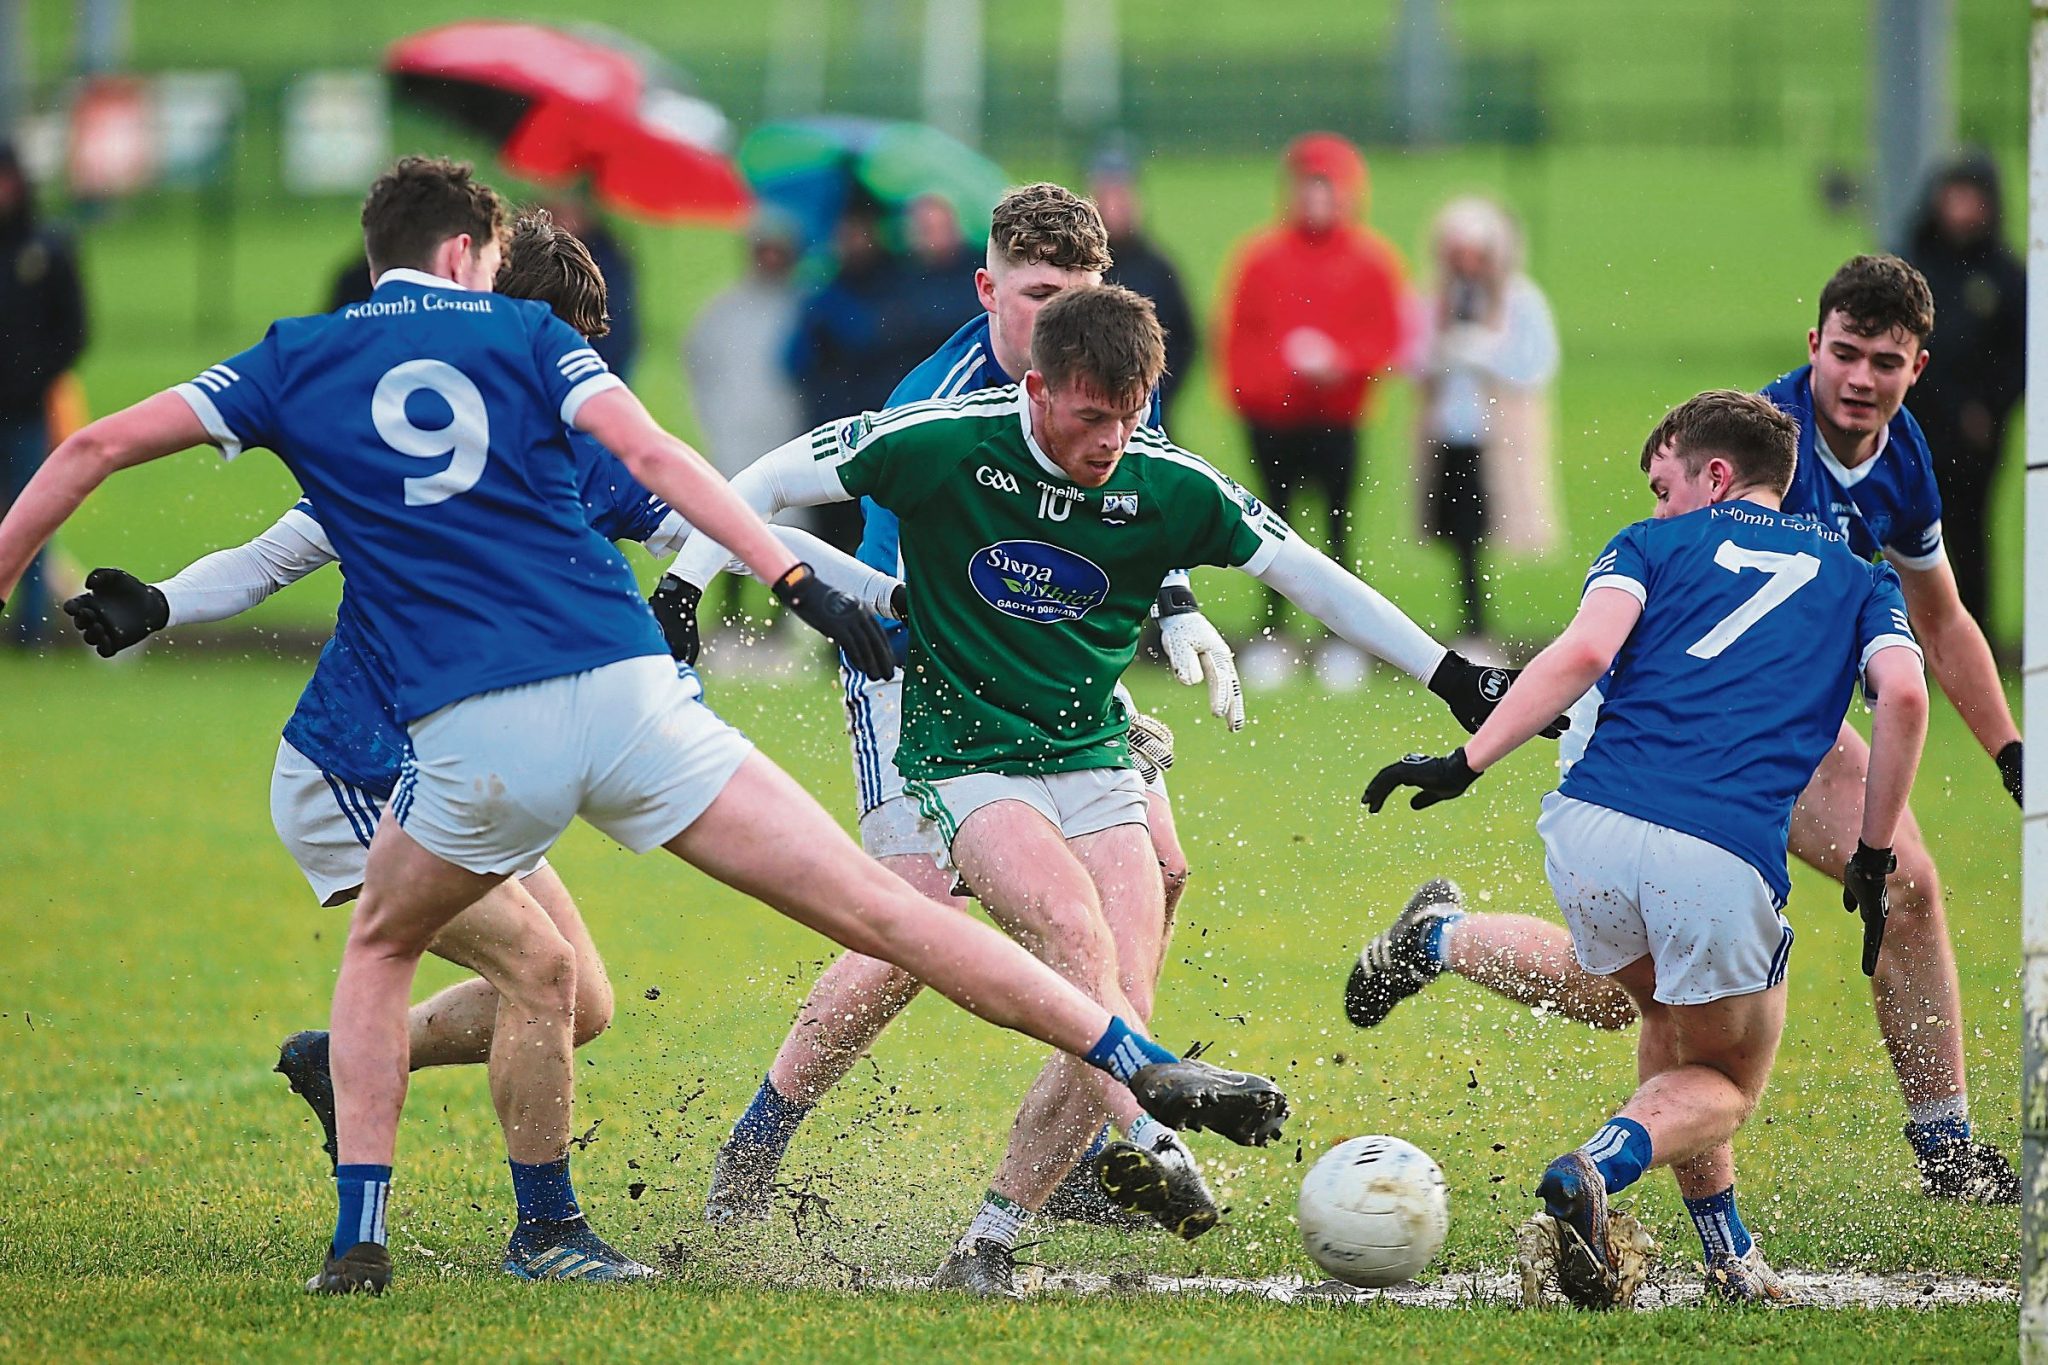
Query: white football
(1374, 1211)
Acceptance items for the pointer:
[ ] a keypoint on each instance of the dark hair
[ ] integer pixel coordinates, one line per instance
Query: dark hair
(1745, 429)
(1102, 334)
(1049, 224)
(548, 263)
(1877, 294)
(422, 202)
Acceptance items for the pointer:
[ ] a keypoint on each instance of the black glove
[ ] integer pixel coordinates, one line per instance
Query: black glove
(1175, 599)
(899, 602)
(2010, 768)
(117, 610)
(1863, 889)
(839, 619)
(1440, 779)
(675, 606)
(1473, 690)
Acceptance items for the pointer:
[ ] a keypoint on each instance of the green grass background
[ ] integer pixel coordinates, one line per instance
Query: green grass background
(163, 1191)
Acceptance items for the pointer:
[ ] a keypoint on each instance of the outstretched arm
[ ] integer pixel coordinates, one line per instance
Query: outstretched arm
(157, 426)
(229, 582)
(1321, 587)
(683, 479)
(1960, 659)
(787, 476)
(1558, 676)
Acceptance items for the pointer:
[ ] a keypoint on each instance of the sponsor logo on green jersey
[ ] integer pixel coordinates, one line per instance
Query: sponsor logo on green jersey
(1034, 581)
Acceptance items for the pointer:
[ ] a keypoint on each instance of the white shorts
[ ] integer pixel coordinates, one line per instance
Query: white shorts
(631, 747)
(1706, 918)
(326, 825)
(891, 824)
(1075, 803)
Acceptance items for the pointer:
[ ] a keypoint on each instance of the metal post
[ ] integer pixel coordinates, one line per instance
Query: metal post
(102, 37)
(2034, 824)
(1422, 49)
(1912, 106)
(953, 76)
(796, 59)
(1091, 66)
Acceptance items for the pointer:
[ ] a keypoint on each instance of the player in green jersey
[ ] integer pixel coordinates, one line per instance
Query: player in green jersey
(1037, 521)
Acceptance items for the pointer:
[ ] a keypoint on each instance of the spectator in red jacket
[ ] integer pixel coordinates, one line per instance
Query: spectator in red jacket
(1312, 315)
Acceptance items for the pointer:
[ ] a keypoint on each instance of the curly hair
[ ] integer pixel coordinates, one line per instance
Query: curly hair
(422, 202)
(548, 263)
(1746, 429)
(1048, 224)
(1878, 294)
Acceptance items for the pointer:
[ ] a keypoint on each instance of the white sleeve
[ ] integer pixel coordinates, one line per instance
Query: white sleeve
(1319, 586)
(790, 475)
(669, 537)
(229, 582)
(1526, 355)
(837, 569)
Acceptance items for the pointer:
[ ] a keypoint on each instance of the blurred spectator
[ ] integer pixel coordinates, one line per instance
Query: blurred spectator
(351, 282)
(733, 359)
(621, 346)
(938, 280)
(841, 354)
(42, 333)
(1312, 315)
(1976, 368)
(1141, 266)
(1487, 353)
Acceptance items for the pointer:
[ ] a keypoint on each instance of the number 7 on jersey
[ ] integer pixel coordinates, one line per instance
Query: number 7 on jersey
(1788, 573)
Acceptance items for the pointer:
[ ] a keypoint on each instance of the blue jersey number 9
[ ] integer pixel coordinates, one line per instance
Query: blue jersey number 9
(467, 437)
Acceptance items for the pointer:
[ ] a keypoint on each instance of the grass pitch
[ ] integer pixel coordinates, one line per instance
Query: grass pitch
(166, 1192)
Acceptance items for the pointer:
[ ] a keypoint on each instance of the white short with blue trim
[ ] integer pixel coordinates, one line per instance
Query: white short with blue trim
(1628, 888)
(326, 825)
(631, 747)
(891, 824)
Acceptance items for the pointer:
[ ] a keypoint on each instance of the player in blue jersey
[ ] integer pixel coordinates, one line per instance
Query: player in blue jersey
(1864, 468)
(341, 757)
(1043, 240)
(1665, 843)
(429, 426)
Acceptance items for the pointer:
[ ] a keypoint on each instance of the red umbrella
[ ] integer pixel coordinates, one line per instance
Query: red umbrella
(563, 104)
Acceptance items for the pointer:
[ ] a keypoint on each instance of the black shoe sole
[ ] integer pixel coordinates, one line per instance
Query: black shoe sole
(305, 1085)
(1248, 1110)
(1134, 1182)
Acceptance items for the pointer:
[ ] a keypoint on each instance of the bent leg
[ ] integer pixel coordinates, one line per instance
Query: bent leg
(1916, 992)
(453, 1026)
(852, 1002)
(509, 939)
(1530, 960)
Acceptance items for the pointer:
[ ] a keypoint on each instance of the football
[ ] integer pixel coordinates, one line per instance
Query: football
(1374, 1211)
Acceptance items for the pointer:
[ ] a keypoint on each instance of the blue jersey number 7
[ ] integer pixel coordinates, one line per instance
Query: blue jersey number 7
(1788, 573)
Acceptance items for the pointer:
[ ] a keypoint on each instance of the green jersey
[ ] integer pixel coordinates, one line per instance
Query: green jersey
(1028, 592)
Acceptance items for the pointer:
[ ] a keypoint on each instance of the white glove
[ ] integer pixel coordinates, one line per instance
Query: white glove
(1196, 651)
(1151, 746)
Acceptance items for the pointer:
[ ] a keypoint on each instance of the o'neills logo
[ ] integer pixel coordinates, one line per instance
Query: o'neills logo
(1034, 581)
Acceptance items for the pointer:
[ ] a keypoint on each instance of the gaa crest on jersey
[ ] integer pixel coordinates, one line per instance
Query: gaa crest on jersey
(1119, 509)
(850, 433)
(1034, 581)
(1252, 506)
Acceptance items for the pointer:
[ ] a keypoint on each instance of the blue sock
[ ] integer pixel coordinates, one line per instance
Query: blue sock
(362, 1191)
(1621, 1149)
(1122, 1050)
(770, 1121)
(1719, 1225)
(544, 1192)
(1927, 1138)
(1095, 1147)
(1433, 937)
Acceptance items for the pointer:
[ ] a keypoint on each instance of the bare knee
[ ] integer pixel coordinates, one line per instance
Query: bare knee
(1915, 888)
(594, 1004)
(539, 975)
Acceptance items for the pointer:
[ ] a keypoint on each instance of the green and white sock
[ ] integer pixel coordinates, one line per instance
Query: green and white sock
(1000, 1220)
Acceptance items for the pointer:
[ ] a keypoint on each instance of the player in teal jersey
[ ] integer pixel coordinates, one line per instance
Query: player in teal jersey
(1037, 521)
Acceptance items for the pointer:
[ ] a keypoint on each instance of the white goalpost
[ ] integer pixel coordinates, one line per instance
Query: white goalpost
(2034, 826)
